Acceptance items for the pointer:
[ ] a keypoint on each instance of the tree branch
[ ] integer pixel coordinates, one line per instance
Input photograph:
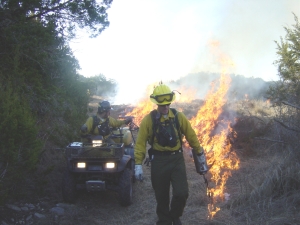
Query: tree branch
(46, 10)
(266, 139)
(287, 127)
(3, 172)
(289, 104)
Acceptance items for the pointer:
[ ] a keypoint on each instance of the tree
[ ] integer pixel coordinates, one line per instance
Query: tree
(67, 14)
(42, 101)
(288, 50)
(285, 93)
(100, 85)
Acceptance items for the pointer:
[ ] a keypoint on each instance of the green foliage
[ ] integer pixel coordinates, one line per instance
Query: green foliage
(67, 15)
(43, 101)
(285, 93)
(19, 146)
(288, 50)
(100, 85)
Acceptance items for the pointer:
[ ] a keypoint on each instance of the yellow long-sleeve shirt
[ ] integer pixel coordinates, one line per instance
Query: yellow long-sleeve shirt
(112, 123)
(145, 135)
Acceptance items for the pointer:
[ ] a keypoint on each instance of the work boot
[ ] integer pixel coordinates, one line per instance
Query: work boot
(177, 221)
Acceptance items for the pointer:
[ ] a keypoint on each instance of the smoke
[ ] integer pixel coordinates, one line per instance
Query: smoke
(246, 31)
(139, 49)
(195, 86)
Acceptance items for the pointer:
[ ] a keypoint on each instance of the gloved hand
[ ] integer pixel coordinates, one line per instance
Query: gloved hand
(83, 128)
(138, 172)
(128, 120)
(200, 162)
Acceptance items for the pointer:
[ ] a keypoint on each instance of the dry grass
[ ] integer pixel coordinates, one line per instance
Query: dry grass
(269, 177)
(265, 189)
(267, 186)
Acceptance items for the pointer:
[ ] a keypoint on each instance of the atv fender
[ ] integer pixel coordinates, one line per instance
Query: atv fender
(129, 150)
(125, 162)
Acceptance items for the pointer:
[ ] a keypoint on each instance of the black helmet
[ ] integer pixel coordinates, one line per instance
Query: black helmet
(104, 107)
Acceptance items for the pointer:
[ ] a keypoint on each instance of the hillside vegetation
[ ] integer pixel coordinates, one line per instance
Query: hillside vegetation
(43, 98)
(240, 86)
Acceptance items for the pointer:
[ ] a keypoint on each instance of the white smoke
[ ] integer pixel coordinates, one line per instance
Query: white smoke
(141, 47)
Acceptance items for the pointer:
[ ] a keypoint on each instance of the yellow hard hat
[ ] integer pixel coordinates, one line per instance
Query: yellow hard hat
(162, 95)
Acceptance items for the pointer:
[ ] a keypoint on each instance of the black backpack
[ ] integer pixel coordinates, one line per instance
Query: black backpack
(155, 123)
(96, 121)
(104, 127)
(155, 117)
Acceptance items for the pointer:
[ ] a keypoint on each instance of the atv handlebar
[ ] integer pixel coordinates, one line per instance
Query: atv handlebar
(125, 117)
(132, 126)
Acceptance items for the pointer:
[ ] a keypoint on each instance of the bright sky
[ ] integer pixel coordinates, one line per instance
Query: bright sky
(153, 40)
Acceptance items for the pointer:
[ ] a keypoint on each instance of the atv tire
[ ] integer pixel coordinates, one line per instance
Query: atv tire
(125, 187)
(69, 191)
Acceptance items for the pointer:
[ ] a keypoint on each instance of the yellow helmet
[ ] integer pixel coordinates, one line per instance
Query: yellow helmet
(162, 95)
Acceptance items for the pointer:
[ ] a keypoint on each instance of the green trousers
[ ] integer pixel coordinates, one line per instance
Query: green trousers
(165, 171)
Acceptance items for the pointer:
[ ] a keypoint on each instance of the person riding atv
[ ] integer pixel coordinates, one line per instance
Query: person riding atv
(101, 122)
(104, 160)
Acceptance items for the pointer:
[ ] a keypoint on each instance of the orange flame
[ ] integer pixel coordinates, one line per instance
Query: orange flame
(142, 108)
(188, 92)
(213, 136)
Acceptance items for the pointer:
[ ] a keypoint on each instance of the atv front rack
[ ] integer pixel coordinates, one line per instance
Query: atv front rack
(88, 151)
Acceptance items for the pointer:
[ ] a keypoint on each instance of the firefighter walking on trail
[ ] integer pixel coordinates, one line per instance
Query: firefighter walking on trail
(163, 129)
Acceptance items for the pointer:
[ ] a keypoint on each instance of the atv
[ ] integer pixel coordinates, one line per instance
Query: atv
(101, 164)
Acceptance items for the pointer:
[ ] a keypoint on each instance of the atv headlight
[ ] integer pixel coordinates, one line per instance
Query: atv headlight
(110, 165)
(97, 143)
(81, 165)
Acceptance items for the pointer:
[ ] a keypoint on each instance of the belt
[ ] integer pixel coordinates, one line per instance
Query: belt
(156, 152)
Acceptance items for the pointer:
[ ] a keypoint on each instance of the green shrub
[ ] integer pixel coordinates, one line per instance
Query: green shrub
(19, 145)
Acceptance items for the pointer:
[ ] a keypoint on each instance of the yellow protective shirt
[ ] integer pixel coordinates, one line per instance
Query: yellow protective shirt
(145, 135)
(112, 123)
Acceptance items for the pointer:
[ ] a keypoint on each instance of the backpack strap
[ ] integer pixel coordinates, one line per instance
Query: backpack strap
(96, 121)
(154, 123)
(177, 125)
